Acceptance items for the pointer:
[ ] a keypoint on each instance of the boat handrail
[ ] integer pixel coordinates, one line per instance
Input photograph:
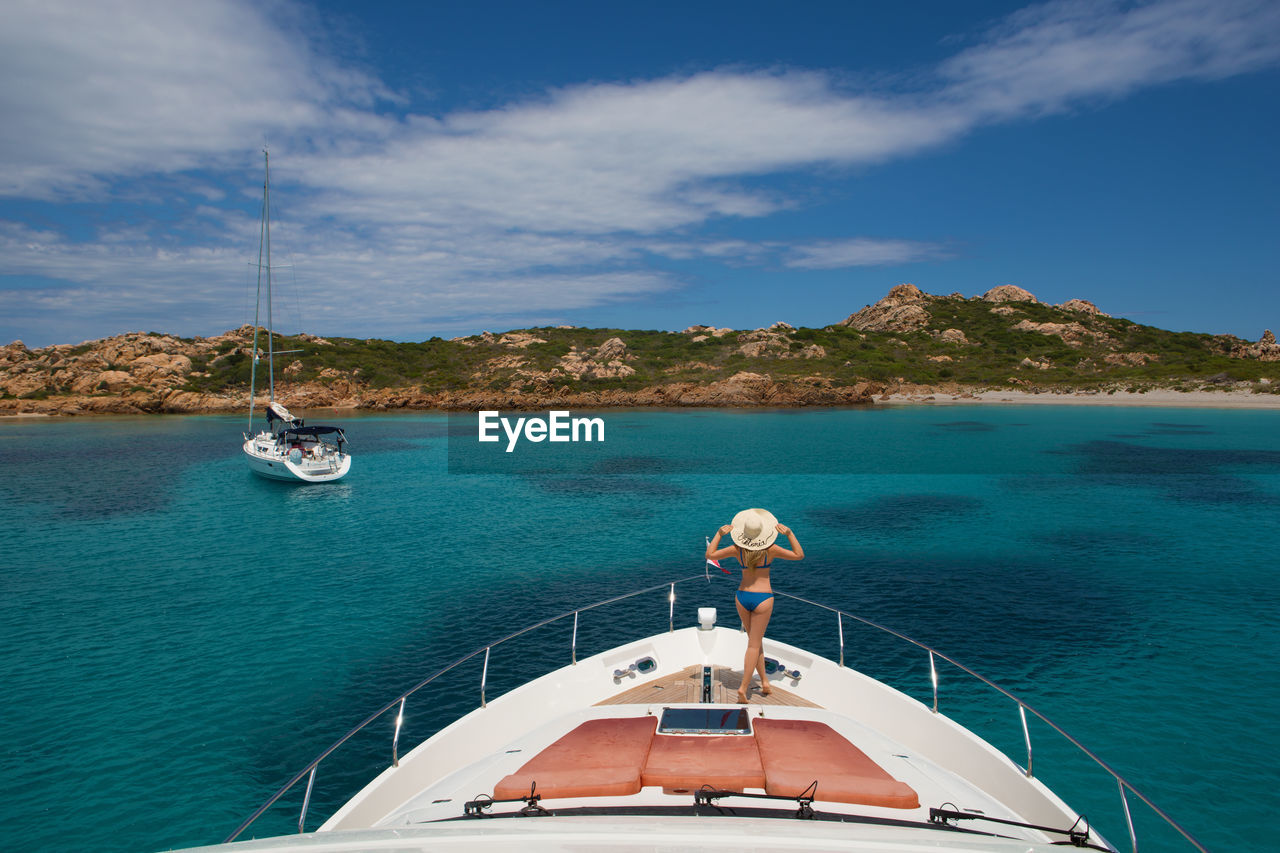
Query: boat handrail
(400, 700)
(1023, 707)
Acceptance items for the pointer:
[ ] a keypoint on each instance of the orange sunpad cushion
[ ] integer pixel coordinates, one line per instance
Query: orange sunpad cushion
(726, 762)
(796, 752)
(599, 758)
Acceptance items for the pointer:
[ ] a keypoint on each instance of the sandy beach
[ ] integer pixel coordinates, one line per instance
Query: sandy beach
(1165, 398)
(1156, 398)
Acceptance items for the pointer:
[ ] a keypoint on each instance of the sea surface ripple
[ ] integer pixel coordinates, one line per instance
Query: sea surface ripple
(181, 637)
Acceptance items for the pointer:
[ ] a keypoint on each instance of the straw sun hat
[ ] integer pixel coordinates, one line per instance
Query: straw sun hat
(754, 529)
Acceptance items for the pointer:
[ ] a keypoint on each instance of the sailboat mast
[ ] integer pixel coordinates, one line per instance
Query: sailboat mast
(266, 230)
(257, 304)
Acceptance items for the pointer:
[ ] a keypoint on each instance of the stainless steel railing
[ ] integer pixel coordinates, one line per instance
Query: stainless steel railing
(1023, 708)
(310, 769)
(399, 702)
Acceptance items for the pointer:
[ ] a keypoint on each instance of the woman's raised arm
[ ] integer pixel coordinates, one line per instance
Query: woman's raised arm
(714, 553)
(797, 552)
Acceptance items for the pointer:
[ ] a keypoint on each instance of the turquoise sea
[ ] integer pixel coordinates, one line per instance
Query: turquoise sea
(177, 637)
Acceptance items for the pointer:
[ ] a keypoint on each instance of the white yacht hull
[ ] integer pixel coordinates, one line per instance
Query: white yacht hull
(266, 459)
(942, 760)
(642, 748)
(635, 834)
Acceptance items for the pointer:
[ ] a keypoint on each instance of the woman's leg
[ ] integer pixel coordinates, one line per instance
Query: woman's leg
(754, 659)
(764, 676)
(745, 615)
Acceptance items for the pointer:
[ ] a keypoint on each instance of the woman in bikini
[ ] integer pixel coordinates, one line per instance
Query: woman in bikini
(753, 532)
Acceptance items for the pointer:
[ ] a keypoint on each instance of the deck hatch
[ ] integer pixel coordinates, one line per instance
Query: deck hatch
(705, 721)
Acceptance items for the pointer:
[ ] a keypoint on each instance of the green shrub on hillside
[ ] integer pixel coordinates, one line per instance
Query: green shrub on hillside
(993, 356)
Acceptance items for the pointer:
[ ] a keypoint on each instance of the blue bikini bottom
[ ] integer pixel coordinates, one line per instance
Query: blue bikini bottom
(752, 600)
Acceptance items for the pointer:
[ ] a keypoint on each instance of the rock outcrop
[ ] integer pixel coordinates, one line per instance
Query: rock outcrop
(134, 361)
(519, 340)
(607, 361)
(1082, 306)
(1136, 359)
(503, 362)
(1266, 349)
(774, 341)
(14, 353)
(810, 351)
(1008, 293)
(903, 310)
(1073, 334)
(762, 342)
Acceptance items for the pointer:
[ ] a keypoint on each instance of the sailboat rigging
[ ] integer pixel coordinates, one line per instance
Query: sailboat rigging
(287, 449)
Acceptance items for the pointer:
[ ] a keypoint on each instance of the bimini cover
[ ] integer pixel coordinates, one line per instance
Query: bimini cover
(313, 432)
(277, 412)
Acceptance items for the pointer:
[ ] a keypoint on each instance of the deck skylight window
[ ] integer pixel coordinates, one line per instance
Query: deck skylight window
(705, 721)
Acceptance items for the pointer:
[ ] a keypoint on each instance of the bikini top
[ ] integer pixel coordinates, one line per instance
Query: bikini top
(742, 558)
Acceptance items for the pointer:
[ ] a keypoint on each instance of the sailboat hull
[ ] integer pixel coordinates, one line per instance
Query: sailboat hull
(267, 460)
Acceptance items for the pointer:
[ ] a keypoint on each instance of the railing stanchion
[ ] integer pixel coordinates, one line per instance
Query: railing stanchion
(1026, 735)
(395, 741)
(484, 675)
(840, 627)
(573, 652)
(933, 676)
(1128, 818)
(671, 612)
(306, 798)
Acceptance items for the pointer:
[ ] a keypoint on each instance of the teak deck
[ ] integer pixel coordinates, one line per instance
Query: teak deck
(686, 686)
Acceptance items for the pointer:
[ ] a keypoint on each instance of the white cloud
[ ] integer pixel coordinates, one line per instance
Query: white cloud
(1045, 57)
(644, 157)
(542, 205)
(863, 252)
(97, 91)
(325, 285)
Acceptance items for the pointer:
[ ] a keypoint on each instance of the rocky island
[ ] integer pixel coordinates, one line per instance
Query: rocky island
(910, 343)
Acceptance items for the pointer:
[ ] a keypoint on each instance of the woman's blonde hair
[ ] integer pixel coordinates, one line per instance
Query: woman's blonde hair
(755, 559)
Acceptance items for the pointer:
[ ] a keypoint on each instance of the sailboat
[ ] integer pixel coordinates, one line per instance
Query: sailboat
(286, 449)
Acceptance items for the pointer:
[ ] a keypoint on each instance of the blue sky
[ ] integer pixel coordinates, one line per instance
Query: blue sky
(440, 169)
